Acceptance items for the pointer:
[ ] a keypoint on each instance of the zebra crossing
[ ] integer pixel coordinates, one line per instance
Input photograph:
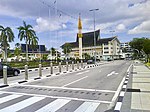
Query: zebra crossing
(15, 102)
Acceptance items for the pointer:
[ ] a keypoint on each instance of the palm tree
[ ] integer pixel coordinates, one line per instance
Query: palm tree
(26, 32)
(33, 43)
(17, 51)
(6, 36)
(53, 51)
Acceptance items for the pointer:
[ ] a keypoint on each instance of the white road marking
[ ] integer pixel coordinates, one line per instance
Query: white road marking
(83, 107)
(118, 106)
(92, 107)
(87, 107)
(129, 68)
(53, 106)
(126, 82)
(22, 104)
(10, 97)
(112, 73)
(74, 81)
(124, 86)
(117, 93)
(122, 93)
(69, 98)
(82, 72)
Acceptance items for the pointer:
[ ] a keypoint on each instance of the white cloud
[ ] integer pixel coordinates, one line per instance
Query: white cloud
(109, 15)
(144, 27)
(46, 25)
(121, 27)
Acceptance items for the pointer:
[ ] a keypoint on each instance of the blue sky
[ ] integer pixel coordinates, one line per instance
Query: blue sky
(128, 18)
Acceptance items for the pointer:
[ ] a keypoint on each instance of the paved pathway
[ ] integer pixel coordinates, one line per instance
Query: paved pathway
(137, 95)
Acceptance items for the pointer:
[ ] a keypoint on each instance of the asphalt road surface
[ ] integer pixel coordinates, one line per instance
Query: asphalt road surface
(92, 89)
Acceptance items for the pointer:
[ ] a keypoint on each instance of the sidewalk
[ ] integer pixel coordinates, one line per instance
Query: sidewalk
(137, 96)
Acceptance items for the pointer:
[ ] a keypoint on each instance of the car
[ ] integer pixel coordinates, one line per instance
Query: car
(108, 59)
(90, 62)
(10, 71)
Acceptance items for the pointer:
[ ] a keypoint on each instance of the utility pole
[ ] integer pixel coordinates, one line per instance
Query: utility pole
(93, 10)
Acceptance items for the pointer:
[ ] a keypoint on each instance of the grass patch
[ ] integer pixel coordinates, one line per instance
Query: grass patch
(148, 64)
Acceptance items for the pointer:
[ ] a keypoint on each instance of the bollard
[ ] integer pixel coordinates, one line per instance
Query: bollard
(72, 65)
(40, 70)
(67, 66)
(59, 67)
(81, 64)
(77, 64)
(26, 72)
(5, 75)
(51, 68)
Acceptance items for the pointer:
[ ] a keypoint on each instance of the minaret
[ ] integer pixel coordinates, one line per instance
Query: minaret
(80, 37)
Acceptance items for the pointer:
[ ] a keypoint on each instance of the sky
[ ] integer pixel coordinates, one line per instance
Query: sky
(55, 21)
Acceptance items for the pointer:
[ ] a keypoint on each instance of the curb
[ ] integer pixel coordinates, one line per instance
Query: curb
(121, 95)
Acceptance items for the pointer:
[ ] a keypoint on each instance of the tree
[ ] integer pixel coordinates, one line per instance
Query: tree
(86, 56)
(17, 51)
(67, 48)
(137, 43)
(141, 45)
(33, 43)
(6, 36)
(146, 48)
(53, 51)
(27, 33)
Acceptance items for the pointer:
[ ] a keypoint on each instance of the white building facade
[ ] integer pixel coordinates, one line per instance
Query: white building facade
(106, 48)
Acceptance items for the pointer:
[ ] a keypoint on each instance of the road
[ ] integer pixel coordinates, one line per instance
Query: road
(92, 89)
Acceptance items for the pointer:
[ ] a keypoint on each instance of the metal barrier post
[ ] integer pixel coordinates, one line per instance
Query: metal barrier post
(81, 63)
(72, 65)
(77, 64)
(40, 70)
(5, 75)
(67, 66)
(59, 67)
(51, 68)
(26, 72)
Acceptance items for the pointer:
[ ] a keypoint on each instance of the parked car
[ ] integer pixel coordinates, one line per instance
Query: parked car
(10, 71)
(90, 61)
(108, 59)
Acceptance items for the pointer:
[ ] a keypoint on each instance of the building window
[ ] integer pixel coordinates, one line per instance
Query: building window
(105, 43)
(106, 48)
(106, 52)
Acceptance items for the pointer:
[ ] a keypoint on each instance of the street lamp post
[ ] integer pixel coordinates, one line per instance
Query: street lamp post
(93, 10)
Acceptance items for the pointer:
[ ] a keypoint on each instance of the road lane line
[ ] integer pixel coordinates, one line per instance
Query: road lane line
(54, 106)
(82, 72)
(117, 93)
(119, 102)
(74, 81)
(22, 104)
(55, 87)
(118, 106)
